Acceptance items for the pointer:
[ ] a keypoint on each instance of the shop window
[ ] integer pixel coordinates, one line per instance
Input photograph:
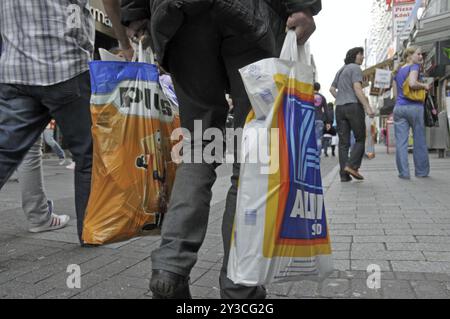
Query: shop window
(436, 7)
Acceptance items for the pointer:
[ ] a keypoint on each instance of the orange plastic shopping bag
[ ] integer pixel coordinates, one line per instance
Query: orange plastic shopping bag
(133, 172)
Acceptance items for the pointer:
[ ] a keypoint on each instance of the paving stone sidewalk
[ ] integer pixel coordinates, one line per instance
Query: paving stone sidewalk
(401, 226)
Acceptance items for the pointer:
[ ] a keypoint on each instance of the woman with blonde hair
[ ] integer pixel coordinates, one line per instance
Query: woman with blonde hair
(409, 114)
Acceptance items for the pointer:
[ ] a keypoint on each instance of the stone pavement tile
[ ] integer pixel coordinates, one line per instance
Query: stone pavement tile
(441, 220)
(116, 267)
(206, 264)
(111, 289)
(43, 242)
(12, 250)
(433, 239)
(341, 255)
(340, 246)
(59, 293)
(416, 232)
(427, 226)
(419, 247)
(19, 290)
(360, 290)
(409, 276)
(300, 289)
(364, 264)
(209, 279)
(212, 255)
(133, 282)
(421, 266)
(199, 292)
(437, 277)
(197, 273)
(356, 220)
(41, 274)
(335, 288)
(387, 255)
(96, 263)
(397, 289)
(430, 290)
(56, 235)
(362, 274)
(384, 239)
(133, 254)
(63, 259)
(437, 256)
(341, 239)
(15, 269)
(341, 265)
(343, 226)
(368, 246)
(353, 274)
(40, 254)
(142, 269)
(143, 246)
(396, 220)
(382, 226)
(357, 232)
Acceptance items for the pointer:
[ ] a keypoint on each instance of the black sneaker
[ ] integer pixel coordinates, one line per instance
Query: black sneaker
(346, 178)
(168, 285)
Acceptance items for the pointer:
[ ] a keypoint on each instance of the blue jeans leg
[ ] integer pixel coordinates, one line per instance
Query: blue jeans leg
(49, 139)
(421, 158)
(402, 127)
(22, 120)
(319, 135)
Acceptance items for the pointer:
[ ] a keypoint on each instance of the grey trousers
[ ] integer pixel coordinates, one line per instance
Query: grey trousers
(34, 199)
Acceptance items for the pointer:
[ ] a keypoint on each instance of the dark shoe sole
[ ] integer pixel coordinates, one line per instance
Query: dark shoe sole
(354, 174)
(167, 285)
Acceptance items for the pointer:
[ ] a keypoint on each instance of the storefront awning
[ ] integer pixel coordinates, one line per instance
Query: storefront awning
(369, 74)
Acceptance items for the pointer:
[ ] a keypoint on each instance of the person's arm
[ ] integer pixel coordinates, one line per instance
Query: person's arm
(293, 6)
(394, 87)
(357, 87)
(135, 16)
(134, 10)
(334, 85)
(325, 110)
(112, 8)
(414, 81)
(333, 91)
(301, 17)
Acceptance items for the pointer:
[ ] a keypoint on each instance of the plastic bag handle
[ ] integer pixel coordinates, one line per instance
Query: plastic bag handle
(293, 52)
(139, 54)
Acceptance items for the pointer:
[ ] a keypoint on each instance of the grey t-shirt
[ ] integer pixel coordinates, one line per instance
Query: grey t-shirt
(344, 80)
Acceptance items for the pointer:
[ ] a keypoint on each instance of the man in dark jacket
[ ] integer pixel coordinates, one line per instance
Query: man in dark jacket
(203, 44)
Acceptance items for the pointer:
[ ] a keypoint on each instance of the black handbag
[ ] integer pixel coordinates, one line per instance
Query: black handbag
(431, 115)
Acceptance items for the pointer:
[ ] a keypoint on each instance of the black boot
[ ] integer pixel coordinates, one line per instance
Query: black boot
(168, 285)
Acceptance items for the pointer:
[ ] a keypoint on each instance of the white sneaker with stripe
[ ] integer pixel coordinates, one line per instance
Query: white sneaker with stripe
(55, 222)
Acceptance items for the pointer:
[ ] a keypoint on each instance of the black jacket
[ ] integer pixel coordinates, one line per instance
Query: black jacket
(263, 21)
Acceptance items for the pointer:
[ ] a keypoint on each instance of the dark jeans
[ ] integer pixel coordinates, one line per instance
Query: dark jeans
(351, 117)
(327, 143)
(25, 112)
(204, 61)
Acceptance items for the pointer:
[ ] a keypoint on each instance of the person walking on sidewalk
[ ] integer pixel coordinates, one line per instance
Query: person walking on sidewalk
(38, 210)
(320, 103)
(410, 114)
(46, 47)
(328, 133)
(50, 141)
(203, 44)
(350, 113)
